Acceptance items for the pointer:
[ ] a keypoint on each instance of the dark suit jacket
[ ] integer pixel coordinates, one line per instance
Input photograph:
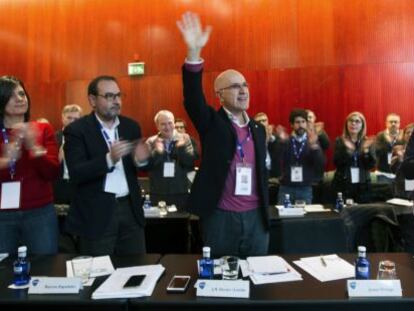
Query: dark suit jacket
(218, 141)
(85, 150)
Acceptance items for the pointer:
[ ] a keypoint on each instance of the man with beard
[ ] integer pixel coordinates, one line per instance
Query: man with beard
(384, 143)
(102, 151)
(300, 153)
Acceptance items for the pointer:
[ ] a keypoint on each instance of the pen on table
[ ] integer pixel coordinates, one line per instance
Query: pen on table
(323, 261)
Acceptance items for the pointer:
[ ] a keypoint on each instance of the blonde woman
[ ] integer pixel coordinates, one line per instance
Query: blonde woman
(354, 158)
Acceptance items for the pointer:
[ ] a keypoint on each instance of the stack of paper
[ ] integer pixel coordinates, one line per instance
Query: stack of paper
(268, 269)
(113, 287)
(327, 268)
(400, 202)
(316, 208)
(3, 256)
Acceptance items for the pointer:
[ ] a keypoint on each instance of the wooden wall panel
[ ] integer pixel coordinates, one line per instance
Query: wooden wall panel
(331, 56)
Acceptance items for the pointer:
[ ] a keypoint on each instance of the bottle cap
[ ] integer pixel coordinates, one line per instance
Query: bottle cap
(22, 250)
(339, 194)
(362, 249)
(287, 195)
(206, 251)
(147, 197)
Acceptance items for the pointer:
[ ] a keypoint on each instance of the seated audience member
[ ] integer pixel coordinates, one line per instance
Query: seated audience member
(272, 163)
(62, 187)
(28, 166)
(300, 153)
(172, 157)
(354, 158)
(323, 140)
(401, 185)
(384, 143)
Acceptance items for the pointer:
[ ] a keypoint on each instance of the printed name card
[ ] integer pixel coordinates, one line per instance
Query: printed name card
(54, 285)
(291, 212)
(223, 288)
(374, 288)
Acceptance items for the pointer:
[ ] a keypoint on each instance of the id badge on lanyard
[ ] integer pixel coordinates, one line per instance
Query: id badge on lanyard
(409, 184)
(10, 195)
(243, 179)
(169, 169)
(355, 172)
(296, 174)
(389, 157)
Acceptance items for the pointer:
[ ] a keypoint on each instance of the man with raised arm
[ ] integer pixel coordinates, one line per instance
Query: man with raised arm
(230, 191)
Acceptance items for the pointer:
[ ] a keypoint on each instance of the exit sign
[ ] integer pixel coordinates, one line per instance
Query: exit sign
(136, 69)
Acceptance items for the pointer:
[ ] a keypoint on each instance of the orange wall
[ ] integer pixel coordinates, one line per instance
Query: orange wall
(332, 56)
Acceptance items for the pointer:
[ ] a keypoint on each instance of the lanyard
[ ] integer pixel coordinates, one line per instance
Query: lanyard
(106, 135)
(297, 153)
(169, 148)
(355, 154)
(241, 143)
(12, 163)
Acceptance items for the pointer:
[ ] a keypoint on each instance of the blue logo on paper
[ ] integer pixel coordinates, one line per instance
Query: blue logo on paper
(35, 282)
(202, 285)
(352, 285)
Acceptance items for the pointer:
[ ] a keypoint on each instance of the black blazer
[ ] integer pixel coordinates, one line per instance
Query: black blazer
(218, 141)
(85, 152)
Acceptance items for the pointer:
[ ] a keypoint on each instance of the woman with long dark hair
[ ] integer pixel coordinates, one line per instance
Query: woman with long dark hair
(28, 165)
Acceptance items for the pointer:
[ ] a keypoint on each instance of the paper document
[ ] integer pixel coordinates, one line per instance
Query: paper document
(327, 267)
(316, 208)
(401, 202)
(101, 265)
(113, 287)
(3, 256)
(268, 269)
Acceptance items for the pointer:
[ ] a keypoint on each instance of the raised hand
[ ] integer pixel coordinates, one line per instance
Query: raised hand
(193, 34)
(280, 132)
(183, 140)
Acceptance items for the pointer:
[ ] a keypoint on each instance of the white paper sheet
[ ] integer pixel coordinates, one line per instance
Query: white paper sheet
(113, 287)
(335, 267)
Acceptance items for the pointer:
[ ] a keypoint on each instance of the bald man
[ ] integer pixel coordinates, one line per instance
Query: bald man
(230, 191)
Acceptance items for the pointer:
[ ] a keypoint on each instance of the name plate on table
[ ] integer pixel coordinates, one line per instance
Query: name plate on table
(292, 212)
(54, 285)
(374, 288)
(223, 288)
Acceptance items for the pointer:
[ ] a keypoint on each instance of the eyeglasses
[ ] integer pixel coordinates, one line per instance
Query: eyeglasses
(235, 86)
(180, 127)
(356, 121)
(112, 96)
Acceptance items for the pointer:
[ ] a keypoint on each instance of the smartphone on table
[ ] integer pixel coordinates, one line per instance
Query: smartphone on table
(178, 284)
(134, 281)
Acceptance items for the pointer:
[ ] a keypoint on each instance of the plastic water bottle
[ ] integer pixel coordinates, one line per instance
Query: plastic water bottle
(339, 205)
(206, 265)
(362, 264)
(21, 267)
(286, 201)
(147, 202)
